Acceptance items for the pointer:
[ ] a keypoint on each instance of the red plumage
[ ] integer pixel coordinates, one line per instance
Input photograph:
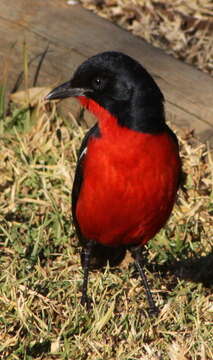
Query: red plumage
(126, 199)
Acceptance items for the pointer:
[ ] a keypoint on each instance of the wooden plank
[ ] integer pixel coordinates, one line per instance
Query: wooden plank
(74, 34)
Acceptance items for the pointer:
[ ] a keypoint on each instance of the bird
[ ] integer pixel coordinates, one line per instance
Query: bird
(128, 167)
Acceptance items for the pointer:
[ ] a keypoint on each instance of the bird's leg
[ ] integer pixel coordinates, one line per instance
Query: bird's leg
(136, 253)
(86, 262)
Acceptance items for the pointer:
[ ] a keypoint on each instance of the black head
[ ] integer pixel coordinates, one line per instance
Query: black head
(122, 86)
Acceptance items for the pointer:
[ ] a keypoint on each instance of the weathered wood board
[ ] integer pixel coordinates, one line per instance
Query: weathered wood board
(74, 34)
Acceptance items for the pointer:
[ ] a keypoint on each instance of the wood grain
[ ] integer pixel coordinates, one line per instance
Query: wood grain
(74, 34)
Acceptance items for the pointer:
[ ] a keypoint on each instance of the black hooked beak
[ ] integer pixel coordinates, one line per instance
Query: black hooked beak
(66, 90)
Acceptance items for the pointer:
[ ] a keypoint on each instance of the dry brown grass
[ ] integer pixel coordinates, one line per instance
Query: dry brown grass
(182, 28)
(40, 272)
(40, 267)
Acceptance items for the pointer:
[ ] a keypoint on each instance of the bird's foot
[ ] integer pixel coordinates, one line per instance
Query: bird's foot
(153, 311)
(86, 302)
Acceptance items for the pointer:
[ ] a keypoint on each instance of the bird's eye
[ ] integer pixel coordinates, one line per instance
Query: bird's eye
(98, 83)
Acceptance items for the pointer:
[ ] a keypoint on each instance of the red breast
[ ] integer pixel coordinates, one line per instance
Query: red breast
(130, 182)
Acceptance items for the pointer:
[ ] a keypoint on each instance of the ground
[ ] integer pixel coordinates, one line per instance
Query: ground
(41, 277)
(182, 28)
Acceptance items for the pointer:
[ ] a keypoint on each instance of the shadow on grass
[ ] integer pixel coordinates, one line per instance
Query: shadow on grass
(197, 269)
(39, 349)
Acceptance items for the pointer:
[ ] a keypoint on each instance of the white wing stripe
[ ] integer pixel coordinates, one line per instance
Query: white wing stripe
(83, 153)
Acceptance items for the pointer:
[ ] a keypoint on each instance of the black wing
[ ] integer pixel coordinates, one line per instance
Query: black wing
(182, 175)
(93, 132)
(172, 134)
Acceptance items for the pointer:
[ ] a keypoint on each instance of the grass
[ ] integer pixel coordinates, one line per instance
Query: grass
(181, 28)
(41, 276)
